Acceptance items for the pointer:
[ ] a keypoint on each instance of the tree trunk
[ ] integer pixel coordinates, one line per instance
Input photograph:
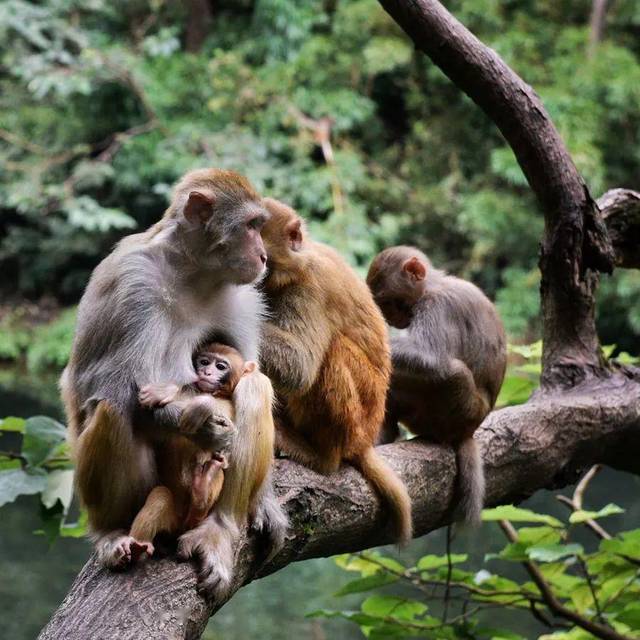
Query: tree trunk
(596, 25)
(523, 449)
(199, 21)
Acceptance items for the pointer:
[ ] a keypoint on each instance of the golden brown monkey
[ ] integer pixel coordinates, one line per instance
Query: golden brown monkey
(146, 308)
(449, 366)
(326, 350)
(191, 478)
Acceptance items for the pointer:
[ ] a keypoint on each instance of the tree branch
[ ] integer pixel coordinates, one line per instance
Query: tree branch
(575, 244)
(524, 450)
(620, 210)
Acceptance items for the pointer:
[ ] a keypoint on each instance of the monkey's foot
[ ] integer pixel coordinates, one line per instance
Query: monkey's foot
(211, 545)
(117, 551)
(269, 519)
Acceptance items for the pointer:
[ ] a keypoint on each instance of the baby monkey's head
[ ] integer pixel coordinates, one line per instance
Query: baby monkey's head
(397, 279)
(219, 368)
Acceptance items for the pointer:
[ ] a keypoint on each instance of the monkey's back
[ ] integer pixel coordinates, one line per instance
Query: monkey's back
(457, 320)
(344, 408)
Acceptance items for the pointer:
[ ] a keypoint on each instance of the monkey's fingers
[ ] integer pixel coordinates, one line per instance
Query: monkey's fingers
(147, 397)
(141, 550)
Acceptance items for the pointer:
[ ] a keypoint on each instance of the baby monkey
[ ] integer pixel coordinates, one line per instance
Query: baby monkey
(191, 477)
(448, 367)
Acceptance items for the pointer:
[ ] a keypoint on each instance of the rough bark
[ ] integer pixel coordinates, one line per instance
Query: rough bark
(596, 25)
(199, 21)
(620, 209)
(575, 244)
(545, 443)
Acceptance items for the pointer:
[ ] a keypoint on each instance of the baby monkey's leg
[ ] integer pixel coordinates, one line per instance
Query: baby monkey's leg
(158, 514)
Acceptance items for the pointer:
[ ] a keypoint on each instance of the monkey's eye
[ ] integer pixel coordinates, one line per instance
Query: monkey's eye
(221, 365)
(256, 223)
(203, 362)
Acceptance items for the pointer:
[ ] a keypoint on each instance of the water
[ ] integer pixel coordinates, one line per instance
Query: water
(35, 578)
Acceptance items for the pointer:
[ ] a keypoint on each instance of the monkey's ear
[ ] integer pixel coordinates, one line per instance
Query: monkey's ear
(415, 268)
(294, 234)
(249, 367)
(199, 207)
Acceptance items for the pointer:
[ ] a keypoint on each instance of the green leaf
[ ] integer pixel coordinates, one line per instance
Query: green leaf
(7, 463)
(12, 424)
(626, 544)
(17, 482)
(42, 435)
(76, 529)
(515, 390)
(515, 514)
(611, 509)
(630, 615)
(383, 606)
(51, 521)
(434, 562)
(360, 585)
(367, 563)
(553, 552)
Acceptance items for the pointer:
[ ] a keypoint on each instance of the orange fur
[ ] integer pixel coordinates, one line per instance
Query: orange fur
(326, 349)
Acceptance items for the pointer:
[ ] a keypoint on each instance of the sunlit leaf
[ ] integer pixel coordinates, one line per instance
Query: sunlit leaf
(582, 516)
(12, 424)
(553, 552)
(516, 514)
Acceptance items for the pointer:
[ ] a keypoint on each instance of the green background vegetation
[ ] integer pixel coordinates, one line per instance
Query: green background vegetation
(103, 105)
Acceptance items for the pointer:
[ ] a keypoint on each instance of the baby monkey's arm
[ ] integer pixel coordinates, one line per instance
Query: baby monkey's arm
(200, 417)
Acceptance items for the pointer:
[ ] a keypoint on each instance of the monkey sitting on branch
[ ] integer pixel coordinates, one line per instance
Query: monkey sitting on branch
(326, 350)
(146, 308)
(191, 477)
(449, 367)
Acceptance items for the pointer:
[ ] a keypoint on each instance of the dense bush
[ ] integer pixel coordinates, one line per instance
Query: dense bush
(102, 108)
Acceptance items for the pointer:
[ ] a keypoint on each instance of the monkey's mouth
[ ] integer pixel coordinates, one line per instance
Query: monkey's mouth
(207, 387)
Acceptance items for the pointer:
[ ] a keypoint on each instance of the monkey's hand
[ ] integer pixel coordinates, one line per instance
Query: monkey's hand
(158, 395)
(201, 422)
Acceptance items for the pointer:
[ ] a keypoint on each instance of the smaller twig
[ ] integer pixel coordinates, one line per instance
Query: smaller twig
(447, 591)
(581, 487)
(553, 603)
(587, 575)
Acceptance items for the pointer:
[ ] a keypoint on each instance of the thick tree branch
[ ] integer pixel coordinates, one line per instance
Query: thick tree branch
(620, 209)
(575, 244)
(547, 443)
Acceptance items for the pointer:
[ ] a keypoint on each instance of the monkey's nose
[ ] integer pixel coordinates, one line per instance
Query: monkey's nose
(263, 258)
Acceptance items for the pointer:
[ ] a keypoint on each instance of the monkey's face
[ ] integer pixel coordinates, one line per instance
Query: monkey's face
(283, 239)
(214, 372)
(244, 253)
(397, 311)
(222, 232)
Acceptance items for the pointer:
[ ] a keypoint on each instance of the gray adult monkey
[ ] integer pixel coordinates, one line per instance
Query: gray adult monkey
(449, 365)
(148, 305)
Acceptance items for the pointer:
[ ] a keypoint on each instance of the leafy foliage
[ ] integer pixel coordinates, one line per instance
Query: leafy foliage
(437, 597)
(102, 109)
(38, 462)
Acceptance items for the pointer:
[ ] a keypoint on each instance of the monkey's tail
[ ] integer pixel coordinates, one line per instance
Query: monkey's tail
(470, 481)
(391, 489)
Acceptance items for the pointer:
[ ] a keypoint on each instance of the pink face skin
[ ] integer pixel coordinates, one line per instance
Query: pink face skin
(212, 371)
